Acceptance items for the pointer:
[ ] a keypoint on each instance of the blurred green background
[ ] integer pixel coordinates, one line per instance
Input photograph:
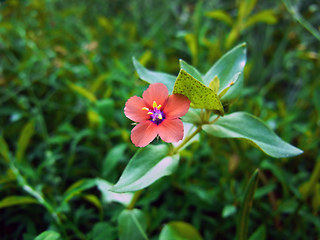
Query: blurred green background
(66, 72)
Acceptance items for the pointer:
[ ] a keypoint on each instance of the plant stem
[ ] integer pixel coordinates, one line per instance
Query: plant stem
(134, 199)
(186, 140)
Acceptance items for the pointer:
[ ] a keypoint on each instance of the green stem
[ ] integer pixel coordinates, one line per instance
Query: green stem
(134, 199)
(25, 185)
(185, 141)
(214, 120)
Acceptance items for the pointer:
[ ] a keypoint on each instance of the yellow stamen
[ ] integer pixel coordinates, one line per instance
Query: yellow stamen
(154, 104)
(150, 113)
(145, 108)
(160, 116)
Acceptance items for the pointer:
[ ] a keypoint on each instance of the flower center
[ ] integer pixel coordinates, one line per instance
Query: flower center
(156, 115)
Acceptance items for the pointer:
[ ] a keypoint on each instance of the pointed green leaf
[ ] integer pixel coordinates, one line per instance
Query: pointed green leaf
(259, 234)
(102, 231)
(230, 85)
(226, 68)
(78, 187)
(242, 226)
(112, 158)
(177, 230)
(154, 77)
(266, 16)
(246, 126)
(16, 200)
(108, 196)
(105, 108)
(192, 42)
(145, 167)
(82, 91)
(192, 116)
(220, 15)
(191, 70)
(215, 84)
(24, 139)
(132, 224)
(200, 95)
(245, 8)
(228, 210)
(48, 235)
(4, 150)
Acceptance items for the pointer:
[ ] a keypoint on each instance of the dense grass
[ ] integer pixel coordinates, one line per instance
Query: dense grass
(66, 72)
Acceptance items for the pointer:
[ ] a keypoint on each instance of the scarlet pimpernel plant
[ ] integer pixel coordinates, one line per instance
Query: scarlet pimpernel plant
(163, 111)
(157, 114)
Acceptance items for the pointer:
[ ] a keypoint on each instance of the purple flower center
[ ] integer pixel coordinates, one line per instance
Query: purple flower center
(156, 115)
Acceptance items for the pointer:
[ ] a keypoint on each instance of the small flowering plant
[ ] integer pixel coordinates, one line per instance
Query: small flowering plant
(157, 114)
(200, 103)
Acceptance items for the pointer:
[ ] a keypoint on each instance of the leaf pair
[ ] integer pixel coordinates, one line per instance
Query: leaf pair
(226, 74)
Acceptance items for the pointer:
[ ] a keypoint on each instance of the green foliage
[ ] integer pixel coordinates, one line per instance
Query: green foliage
(66, 72)
(245, 126)
(242, 225)
(200, 95)
(179, 230)
(146, 166)
(132, 225)
(48, 235)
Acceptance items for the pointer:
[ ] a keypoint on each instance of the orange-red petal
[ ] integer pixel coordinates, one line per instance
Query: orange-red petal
(143, 133)
(177, 106)
(171, 130)
(133, 109)
(157, 92)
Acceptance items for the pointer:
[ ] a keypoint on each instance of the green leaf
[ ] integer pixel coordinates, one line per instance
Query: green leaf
(229, 65)
(24, 139)
(4, 150)
(215, 84)
(246, 126)
(108, 196)
(177, 230)
(191, 70)
(145, 167)
(132, 224)
(112, 158)
(250, 4)
(101, 231)
(192, 116)
(242, 226)
(309, 187)
(262, 191)
(200, 95)
(48, 235)
(223, 92)
(266, 16)
(192, 42)
(220, 15)
(16, 200)
(259, 234)
(228, 210)
(78, 187)
(105, 108)
(82, 91)
(154, 77)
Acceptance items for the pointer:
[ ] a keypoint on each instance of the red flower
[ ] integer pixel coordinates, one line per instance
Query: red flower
(156, 114)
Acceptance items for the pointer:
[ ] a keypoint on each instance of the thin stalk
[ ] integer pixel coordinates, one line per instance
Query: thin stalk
(134, 199)
(25, 185)
(214, 120)
(186, 140)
